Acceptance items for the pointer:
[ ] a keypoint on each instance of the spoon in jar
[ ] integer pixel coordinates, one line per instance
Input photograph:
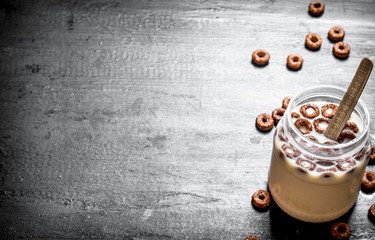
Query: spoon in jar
(350, 99)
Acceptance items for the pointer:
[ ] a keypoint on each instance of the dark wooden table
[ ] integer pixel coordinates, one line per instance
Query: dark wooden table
(135, 119)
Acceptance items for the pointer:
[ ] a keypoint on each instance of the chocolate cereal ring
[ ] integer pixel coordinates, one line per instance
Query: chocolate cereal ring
(346, 164)
(345, 135)
(264, 122)
(290, 151)
(301, 122)
(277, 114)
(368, 181)
(294, 62)
(252, 238)
(260, 57)
(316, 9)
(331, 106)
(261, 199)
(286, 101)
(371, 212)
(336, 34)
(341, 50)
(372, 156)
(306, 164)
(340, 230)
(295, 115)
(352, 126)
(316, 123)
(313, 41)
(314, 114)
(312, 138)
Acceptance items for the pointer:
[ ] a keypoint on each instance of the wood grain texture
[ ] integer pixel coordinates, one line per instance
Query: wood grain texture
(135, 119)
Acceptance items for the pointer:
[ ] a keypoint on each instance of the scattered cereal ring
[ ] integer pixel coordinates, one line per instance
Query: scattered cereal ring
(371, 212)
(294, 62)
(352, 126)
(372, 156)
(316, 123)
(277, 114)
(336, 34)
(313, 41)
(346, 164)
(315, 113)
(316, 9)
(368, 181)
(345, 135)
(306, 164)
(286, 101)
(301, 122)
(290, 151)
(251, 238)
(325, 108)
(341, 50)
(261, 199)
(340, 230)
(264, 122)
(260, 57)
(295, 115)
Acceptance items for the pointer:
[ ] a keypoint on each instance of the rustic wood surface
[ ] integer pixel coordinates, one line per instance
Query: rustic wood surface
(135, 119)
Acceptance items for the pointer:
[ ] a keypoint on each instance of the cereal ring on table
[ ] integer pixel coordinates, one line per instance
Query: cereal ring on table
(290, 151)
(260, 57)
(294, 62)
(315, 113)
(345, 135)
(352, 126)
(295, 115)
(261, 199)
(313, 41)
(306, 164)
(277, 114)
(368, 181)
(336, 34)
(340, 230)
(371, 212)
(341, 50)
(316, 123)
(286, 101)
(301, 122)
(316, 9)
(346, 164)
(264, 122)
(372, 156)
(325, 108)
(252, 238)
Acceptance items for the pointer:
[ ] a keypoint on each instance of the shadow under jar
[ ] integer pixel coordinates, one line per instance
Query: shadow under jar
(310, 180)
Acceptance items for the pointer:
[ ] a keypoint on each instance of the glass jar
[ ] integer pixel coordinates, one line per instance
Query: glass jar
(316, 182)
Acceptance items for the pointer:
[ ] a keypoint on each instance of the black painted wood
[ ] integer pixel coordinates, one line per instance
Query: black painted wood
(135, 119)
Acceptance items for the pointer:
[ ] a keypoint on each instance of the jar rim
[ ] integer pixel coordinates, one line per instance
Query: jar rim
(360, 106)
